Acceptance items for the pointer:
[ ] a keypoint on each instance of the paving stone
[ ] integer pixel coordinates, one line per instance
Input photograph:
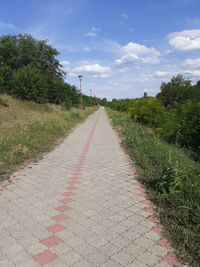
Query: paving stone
(29, 263)
(110, 263)
(19, 257)
(122, 258)
(97, 257)
(70, 258)
(134, 250)
(83, 263)
(61, 249)
(149, 258)
(84, 249)
(6, 263)
(36, 248)
(120, 242)
(137, 264)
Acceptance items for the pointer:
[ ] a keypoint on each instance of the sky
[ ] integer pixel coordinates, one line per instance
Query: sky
(121, 47)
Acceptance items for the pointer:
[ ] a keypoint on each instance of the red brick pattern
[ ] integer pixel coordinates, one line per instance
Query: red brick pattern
(55, 228)
(45, 257)
(60, 217)
(170, 258)
(51, 241)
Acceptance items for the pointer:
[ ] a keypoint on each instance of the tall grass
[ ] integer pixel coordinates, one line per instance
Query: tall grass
(173, 182)
(28, 129)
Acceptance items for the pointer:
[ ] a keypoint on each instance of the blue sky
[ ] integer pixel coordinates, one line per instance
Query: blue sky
(121, 47)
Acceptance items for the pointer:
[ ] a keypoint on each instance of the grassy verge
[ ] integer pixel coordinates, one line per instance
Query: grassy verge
(172, 179)
(28, 129)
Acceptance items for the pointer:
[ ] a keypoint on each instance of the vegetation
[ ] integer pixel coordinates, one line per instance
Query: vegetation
(28, 129)
(29, 70)
(174, 114)
(173, 181)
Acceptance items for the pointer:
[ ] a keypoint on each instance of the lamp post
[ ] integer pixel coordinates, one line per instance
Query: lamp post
(81, 98)
(91, 96)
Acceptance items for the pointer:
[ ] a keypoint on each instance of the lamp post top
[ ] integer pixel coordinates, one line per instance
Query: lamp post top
(80, 76)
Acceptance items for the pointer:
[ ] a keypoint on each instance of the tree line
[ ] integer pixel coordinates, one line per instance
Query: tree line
(30, 70)
(173, 114)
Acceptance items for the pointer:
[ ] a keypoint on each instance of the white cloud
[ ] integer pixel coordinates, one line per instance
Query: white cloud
(124, 15)
(193, 62)
(86, 49)
(7, 25)
(185, 40)
(135, 54)
(66, 66)
(93, 32)
(65, 63)
(192, 73)
(94, 70)
(161, 74)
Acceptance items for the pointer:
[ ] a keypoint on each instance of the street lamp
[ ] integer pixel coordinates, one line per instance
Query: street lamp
(81, 99)
(91, 96)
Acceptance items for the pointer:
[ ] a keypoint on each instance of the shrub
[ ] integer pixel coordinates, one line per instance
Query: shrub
(182, 126)
(188, 126)
(5, 77)
(30, 84)
(148, 111)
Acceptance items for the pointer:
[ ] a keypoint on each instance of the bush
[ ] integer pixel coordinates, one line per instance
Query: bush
(182, 126)
(30, 84)
(147, 111)
(188, 126)
(5, 77)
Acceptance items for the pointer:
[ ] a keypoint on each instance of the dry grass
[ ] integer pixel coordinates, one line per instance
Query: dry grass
(28, 129)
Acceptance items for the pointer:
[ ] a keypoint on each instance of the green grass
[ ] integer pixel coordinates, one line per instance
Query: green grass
(28, 129)
(172, 180)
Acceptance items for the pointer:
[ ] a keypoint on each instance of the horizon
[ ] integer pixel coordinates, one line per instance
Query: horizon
(121, 49)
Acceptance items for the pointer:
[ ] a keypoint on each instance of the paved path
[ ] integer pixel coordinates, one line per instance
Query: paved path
(81, 205)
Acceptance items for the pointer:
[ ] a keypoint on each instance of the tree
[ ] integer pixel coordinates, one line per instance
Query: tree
(145, 95)
(188, 126)
(177, 91)
(5, 77)
(148, 111)
(22, 50)
(103, 101)
(30, 84)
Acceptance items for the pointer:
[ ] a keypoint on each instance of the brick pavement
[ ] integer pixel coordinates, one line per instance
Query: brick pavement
(81, 205)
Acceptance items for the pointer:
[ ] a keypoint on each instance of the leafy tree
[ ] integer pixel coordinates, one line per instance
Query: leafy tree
(56, 91)
(22, 50)
(30, 84)
(177, 91)
(103, 101)
(5, 77)
(120, 104)
(9, 55)
(145, 95)
(188, 126)
(148, 111)
(30, 70)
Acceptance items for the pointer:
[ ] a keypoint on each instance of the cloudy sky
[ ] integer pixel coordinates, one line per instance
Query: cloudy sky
(121, 47)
